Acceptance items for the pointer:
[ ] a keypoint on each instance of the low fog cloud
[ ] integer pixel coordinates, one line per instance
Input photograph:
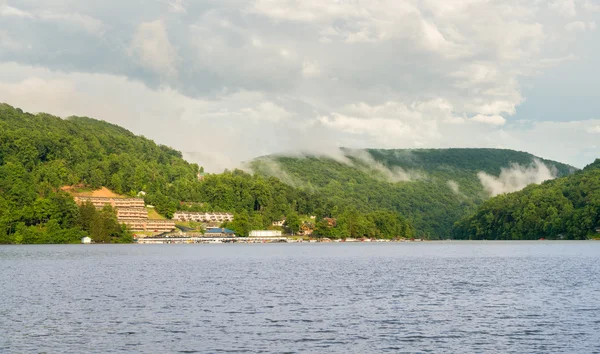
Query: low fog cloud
(368, 164)
(516, 178)
(356, 158)
(270, 167)
(453, 185)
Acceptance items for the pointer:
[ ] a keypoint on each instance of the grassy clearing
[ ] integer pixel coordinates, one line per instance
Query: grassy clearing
(153, 214)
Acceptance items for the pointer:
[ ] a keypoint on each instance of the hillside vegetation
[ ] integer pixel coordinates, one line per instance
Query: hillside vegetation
(433, 188)
(40, 154)
(567, 207)
(371, 193)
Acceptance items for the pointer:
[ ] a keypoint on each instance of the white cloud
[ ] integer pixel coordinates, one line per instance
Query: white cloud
(577, 26)
(176, 6)
(6, 42)
(393, 128)
(594, 129)
(77, 20)
(151, 46)
(307, 11)
(260, 125)
(305, 74)
(564, 7)
(590, 5)
(580, 26)
(217, 128)
(311, 69)
(516, 178)
(9, 11)
(493, 120)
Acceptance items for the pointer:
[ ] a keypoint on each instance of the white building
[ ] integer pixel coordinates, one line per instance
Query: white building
(86, 240)
(202, 217)
(265, 233)
(279, 222)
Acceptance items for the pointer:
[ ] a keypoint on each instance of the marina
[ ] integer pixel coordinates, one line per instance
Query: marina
(178, 239)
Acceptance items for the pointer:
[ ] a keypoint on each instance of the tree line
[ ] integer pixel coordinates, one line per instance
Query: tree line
(564, 208)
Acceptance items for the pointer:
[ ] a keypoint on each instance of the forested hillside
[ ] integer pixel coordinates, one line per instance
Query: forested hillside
(373, 193)
(41, 153)
(567, 207)
(433, 188)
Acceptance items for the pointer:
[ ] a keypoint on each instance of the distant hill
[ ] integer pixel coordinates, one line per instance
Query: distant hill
(565, 208)
(432, 187)
(41, 153)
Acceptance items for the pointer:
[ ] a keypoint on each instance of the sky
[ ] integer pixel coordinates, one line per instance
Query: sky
(225, 81)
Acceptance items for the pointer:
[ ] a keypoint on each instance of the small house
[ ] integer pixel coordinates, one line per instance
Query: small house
(86, 240)
(279, 223)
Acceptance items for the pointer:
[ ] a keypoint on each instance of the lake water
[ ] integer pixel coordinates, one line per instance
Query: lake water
(444, 297)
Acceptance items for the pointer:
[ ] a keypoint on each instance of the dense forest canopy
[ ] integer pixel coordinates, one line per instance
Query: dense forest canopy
(432, 187)
(565, 208)
(372, 193)
(41, 153)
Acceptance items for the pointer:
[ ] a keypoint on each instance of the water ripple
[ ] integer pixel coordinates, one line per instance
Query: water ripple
(512, 297)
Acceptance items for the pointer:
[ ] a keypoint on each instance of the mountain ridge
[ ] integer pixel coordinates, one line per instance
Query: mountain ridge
(433, 187)
(563, 208)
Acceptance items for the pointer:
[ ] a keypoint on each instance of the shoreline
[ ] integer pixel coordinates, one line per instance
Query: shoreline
(206, 242)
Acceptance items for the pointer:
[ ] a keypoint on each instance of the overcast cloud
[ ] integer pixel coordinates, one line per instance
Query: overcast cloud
(229, 80)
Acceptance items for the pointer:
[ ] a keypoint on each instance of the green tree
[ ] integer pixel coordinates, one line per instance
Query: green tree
(292, 222)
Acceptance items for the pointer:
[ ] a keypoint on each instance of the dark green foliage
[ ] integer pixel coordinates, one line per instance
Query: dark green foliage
(372, 180)
(41, 153)
(490, 161)
(567, 207)
(379, 224)
(292, 222)
(102, 225)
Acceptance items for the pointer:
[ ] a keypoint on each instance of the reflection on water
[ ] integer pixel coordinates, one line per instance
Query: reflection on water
(342, 298)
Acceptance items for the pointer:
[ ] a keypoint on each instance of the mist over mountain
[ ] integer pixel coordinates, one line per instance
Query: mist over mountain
(563, 208)
(432, 187)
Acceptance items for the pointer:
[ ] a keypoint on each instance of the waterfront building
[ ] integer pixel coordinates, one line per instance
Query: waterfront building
(306, 229)
(86, 240)
(149, 225)
(265, 233)
(219, 232)
(331, 222)
(132, 213)
(202, 216)
(279, 223)
(100, 202)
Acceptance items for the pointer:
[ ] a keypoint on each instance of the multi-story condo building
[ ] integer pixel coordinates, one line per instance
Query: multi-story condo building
(202, 217)
(132, 213)
(100, 202)
(149, 225)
